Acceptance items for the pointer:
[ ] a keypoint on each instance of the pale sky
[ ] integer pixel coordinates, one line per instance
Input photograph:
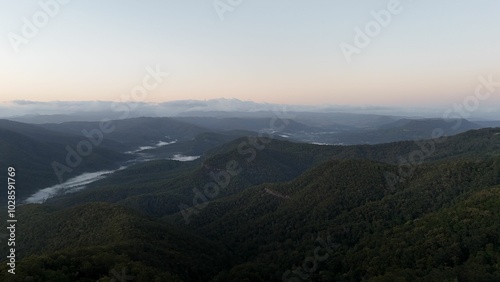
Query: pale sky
(431, 53)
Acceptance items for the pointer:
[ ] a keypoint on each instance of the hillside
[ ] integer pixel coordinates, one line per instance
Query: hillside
(323, 213)
(32, 151)
(273, 226)
(249, 124)
(158, 187)
(95, 241)
(135, 132)
(405, 129)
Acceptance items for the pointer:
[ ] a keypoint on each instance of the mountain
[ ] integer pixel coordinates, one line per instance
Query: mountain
(135, 132)
(326, 116)
(196, 146)
(33, 151)
(405, 129)
(63, 111)
(423, 126)
(186, 119)
(258, 209)
(342, 207)
(457, 242)
(99, 242)
(222, 104)
(343, 121)
(158, 187)
(248, 124)
(349, 204)
(488, 123)
(160, 193)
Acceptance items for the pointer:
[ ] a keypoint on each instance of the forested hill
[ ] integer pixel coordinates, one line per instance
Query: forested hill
(273, 226)
(295, 212)
(158, 187)
(98, 242)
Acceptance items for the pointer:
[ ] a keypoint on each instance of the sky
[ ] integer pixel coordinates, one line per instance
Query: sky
(427, 54)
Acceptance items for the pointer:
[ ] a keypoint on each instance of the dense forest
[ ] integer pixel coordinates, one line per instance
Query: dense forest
(285, 211)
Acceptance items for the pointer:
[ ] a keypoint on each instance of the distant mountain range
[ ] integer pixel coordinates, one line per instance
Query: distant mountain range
(64, 111)
(406, 129)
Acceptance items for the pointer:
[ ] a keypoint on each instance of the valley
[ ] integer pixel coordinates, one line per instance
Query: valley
(237, 205)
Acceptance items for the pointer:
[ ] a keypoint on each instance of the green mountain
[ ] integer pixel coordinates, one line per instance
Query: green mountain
(272, 210)
(273, 227)
(97, 242)
(158, 187)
